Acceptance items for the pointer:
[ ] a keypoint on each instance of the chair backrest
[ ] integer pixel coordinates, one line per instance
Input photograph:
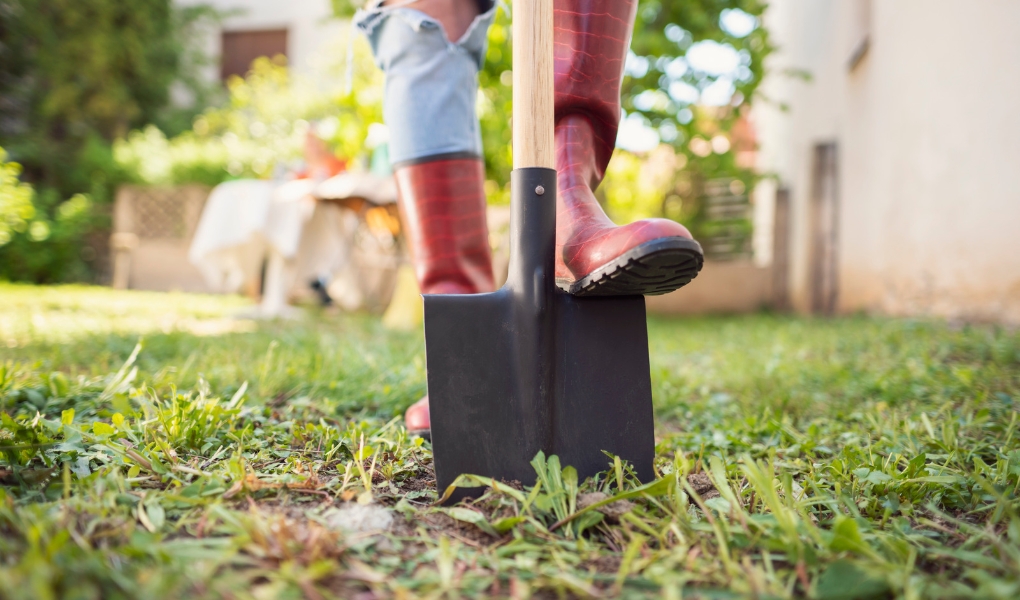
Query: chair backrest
(159, 212)
(152, 229)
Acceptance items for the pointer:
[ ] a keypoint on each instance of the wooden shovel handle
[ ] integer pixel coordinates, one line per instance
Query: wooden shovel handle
(533, 143)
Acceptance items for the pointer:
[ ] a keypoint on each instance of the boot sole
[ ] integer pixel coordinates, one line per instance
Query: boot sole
(651, 269)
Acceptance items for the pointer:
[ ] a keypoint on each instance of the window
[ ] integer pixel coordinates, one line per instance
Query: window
(240, 48)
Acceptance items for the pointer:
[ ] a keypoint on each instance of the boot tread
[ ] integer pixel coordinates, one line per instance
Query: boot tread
(650, 269)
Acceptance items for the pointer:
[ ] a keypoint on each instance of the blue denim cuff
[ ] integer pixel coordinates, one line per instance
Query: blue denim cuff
(431, 82)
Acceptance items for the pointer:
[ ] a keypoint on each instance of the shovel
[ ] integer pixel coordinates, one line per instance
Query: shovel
(529, 367)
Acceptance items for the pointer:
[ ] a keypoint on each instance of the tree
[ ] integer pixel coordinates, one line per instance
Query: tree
(697, 107)
(76, 74)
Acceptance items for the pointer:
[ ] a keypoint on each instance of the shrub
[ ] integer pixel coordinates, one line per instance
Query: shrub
(41, 238)
(15, 200)
(260, 131)
(76, 74)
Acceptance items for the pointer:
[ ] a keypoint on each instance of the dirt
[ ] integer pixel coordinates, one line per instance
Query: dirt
(613, 511)
(441, 524)
(701, 484)
(423, 480)
(608, 564)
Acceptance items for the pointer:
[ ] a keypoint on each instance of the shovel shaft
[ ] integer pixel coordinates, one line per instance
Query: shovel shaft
(532, 236)
(533, 143)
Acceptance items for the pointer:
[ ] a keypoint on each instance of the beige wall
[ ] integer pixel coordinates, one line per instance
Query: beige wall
(928, 130)
(722, 287)
(311, 34)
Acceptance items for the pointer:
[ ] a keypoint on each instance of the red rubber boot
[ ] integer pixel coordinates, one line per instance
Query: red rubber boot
(442, 205)
(594, 257)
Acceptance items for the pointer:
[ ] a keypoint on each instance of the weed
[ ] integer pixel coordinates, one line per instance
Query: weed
(152, 446)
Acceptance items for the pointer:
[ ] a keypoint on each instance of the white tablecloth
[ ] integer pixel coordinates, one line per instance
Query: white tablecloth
(246, 222)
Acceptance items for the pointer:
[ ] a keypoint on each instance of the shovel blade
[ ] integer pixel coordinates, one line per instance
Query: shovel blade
(603, 400)
(505, 383)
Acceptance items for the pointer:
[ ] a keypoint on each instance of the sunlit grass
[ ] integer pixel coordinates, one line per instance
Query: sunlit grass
(849, 458)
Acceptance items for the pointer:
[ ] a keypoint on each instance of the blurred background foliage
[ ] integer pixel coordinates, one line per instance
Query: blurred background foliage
(260, 130)
(41, 237)
(15, 200)
(75, 75)
(692, 74)
(690, 78)
(98, 93)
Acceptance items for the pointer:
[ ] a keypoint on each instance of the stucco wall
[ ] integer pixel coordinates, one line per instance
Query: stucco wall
(928, 130)
(310, 30)
(722, 287)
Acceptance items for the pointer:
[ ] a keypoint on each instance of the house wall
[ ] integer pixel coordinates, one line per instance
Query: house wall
(927, 130)
(310, 29)
(722, 287)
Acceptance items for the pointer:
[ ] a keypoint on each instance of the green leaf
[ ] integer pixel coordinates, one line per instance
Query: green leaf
(659, 487)
(404, 507)
(570, 486)
(157, 516)
(555, 474)
(915, 466)
(878, 477)
(238, 398)
(364, 452)
(719, 504)
(124, 376)
(67, 416)
(467, 515)
(550, 475)
(847, 536)
(80, 467)
(35, 398)
(144, 519)
(477, 481)
(122, 404)
(532, 495)
(506, 524)
(538, 463)
(947, 479)
(589, 519)
(100, 428)
(59, 386)
(843, 580)
(545, 502)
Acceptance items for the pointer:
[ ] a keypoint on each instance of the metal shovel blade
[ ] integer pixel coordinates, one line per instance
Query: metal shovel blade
(530, 367)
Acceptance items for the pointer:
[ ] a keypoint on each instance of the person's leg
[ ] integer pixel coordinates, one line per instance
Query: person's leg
(435, 143)
(595, 257)
(454, 15)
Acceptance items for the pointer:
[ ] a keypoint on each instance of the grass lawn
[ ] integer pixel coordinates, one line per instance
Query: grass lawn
(152, 446)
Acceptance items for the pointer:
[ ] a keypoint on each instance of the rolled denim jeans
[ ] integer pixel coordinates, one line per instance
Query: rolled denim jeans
(431, 82)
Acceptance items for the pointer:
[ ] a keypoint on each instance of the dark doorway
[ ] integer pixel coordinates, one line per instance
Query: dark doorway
(240, 48)
(781, 251)
(824, 212)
